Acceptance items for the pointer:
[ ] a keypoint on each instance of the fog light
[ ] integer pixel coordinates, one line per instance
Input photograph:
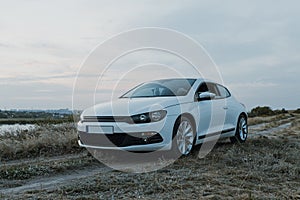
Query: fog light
(148, 134)
(143, 118)
(145, 136)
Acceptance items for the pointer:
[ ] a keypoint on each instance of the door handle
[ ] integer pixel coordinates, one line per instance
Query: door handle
(225, 108)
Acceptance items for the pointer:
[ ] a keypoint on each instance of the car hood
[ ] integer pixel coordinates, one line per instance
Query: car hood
(132, 106)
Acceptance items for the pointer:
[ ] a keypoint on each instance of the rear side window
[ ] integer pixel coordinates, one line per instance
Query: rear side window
(208, 87)
(213, 88)
(220, 91)
(224, 93)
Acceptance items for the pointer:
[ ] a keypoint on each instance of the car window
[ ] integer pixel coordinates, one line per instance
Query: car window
(161, 88)
(213, 88)
(220, 91)
(202, 88)
(207, 87)
(153, 89)
(224, 93)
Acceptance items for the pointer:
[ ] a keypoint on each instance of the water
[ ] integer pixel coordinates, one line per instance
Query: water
(16, 127)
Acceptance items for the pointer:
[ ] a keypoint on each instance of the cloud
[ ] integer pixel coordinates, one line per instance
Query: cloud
(33, 95)
(5, 45)
(21, 80)
(255, 43)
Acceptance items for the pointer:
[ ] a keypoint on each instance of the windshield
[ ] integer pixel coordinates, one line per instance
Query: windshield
(161, 88)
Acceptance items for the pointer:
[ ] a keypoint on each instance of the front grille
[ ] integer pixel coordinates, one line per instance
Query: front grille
(117, 139)
(107, 119)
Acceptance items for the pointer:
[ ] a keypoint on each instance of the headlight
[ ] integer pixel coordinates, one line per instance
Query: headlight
(149, 117)
(157, 115)
(81, 117)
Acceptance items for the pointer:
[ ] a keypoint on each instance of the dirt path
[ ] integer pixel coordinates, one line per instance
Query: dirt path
(259, 130)
(53, 182)
(43, 159)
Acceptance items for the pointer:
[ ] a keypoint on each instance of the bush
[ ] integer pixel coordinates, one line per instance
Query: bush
(297, 111)
(261, 111)
(266, 111)
(282, 111)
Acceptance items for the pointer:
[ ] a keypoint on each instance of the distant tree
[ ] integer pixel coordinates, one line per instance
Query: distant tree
(282, 111)
(297, 111)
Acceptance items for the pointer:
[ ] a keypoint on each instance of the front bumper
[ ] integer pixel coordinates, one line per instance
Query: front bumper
(119, 139)
(128, 136)
(149, 147)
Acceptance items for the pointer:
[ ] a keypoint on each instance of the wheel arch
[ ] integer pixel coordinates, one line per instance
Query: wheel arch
(190, 117)
(244, 115)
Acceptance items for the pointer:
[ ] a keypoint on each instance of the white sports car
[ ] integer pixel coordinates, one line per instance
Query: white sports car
(169, 114)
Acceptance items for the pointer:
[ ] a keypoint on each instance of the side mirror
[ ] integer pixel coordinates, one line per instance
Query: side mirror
(206, 96)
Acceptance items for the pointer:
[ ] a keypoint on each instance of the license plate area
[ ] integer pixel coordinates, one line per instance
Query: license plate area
(100, 129)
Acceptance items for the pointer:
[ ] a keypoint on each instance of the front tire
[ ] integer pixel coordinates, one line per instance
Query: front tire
(183, 136)
(241, 130)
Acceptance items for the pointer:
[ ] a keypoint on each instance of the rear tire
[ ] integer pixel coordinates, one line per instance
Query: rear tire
(241, 133)
(183, 137)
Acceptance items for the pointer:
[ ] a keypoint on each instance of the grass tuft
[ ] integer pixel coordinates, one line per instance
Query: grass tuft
(46, 140)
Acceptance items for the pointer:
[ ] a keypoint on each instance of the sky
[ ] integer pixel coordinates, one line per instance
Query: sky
(255, 45)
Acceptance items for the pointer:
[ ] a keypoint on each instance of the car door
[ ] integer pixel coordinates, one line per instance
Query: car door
(211, 112)
(230, 118)
(218, 110)
(204, 112)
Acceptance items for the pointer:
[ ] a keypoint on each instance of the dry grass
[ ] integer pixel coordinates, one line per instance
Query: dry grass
(269, 119)
(48, 140)
(260, 169)
(292, 132)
